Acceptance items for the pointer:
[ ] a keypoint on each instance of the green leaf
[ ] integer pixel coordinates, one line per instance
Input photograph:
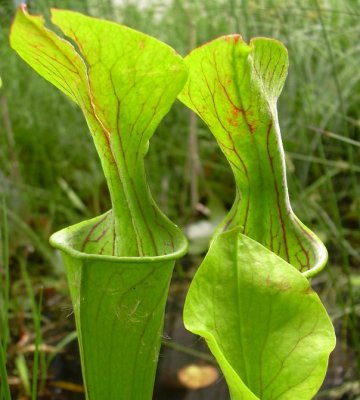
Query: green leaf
(118, 264)
(125, 82)
(234, 88)
(119, 310)
(119, 305)
(268, 330)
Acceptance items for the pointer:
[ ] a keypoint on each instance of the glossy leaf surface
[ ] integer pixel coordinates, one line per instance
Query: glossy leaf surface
(234, 88)
(119, 309)
(125, 82)
(118, 264)
(250, 298)
(268, 330)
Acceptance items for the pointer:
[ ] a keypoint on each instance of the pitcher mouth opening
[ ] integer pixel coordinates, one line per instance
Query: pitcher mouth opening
(72, 241)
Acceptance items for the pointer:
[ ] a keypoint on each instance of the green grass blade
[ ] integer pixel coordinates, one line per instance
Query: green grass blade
(4, 383)
(36, 317)
(24, 373)
(5, 283)
(4, 301)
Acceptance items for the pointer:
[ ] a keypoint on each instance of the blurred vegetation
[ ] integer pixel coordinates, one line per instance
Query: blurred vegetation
(50, 176)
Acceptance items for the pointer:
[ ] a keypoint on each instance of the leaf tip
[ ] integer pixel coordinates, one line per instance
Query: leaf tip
(236, 37)
(21, 11)
(23, 7)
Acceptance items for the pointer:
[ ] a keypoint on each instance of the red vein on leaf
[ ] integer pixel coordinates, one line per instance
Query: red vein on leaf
(282, 222)
(139, 204)
(39, 50)
(229, 135)
(304, 251)
(138, 238)
(250, 125)
(288, 355)
(87, 238)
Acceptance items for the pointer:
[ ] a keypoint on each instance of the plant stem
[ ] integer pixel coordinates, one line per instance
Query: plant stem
(191, 352)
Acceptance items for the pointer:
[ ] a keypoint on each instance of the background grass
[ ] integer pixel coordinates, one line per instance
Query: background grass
(50, 176)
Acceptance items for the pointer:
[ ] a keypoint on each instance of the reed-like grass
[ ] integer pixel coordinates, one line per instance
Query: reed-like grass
(4, 301)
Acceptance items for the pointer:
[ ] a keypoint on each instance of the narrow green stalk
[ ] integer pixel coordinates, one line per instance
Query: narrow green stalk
(38, 243)
(4, 301)
(191, 352)
(47, 360)
(38, 362)
(24, 374)
(4, 387)
(60, 346)
(36, 317)
(4, 240)
(322, 160)
(334, 135)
